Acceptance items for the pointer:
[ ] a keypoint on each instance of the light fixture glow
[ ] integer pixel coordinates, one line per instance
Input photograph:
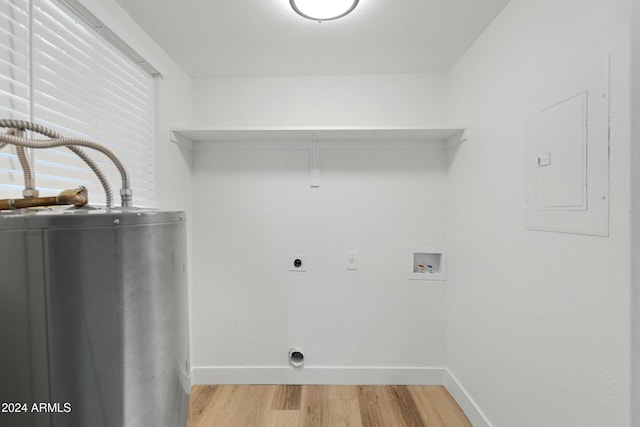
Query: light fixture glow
(323, 10)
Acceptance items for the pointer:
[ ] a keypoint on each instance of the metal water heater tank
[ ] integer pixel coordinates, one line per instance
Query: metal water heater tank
(93, 319)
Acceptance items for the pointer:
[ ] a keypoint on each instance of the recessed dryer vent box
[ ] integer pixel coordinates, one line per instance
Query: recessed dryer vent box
(428, 263)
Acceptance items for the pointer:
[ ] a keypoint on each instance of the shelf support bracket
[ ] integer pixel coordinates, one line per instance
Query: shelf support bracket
(457, 139)
(180, 140)
(315, 163)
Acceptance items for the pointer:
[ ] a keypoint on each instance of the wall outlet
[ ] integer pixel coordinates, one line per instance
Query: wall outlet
(297, 262)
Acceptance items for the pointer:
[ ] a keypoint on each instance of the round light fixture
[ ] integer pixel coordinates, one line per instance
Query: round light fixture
(323, 10)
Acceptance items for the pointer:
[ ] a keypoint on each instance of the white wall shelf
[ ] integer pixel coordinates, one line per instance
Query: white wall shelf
(316, 139)
(200, 137)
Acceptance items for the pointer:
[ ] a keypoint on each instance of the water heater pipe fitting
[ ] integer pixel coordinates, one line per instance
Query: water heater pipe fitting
(76, 197)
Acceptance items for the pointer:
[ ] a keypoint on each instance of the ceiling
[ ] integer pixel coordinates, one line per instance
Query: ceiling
(233, 38)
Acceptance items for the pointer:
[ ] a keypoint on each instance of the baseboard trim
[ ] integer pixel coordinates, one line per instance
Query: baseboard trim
(468, 405)
(317, 375)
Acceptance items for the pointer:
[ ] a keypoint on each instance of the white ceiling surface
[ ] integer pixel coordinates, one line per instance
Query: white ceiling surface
(251, 38)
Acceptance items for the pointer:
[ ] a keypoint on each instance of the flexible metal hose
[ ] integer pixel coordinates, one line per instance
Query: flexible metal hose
(64, 142)
(34, 127)
(97, 171)
(69, 142)
(29, 177)
(27, 169)
(72, 144)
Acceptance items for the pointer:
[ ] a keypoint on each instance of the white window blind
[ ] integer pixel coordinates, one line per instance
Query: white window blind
(14, 84)
(80, 84)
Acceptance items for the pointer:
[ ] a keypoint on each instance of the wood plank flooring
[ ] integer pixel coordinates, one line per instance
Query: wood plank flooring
(324, 406)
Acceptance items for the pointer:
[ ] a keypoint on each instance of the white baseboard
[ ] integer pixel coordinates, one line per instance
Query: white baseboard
(343, 375)
(317, 375)
(468, 405)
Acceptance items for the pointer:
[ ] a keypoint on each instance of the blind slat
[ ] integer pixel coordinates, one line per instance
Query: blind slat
(131, 138)
(87, 56)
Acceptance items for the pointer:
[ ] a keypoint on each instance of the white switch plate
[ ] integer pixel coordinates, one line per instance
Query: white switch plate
(544, 159)
(352, 262)
(292, 262)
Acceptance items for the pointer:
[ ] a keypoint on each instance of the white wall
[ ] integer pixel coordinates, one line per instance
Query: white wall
(359, 100)
(635, 180)
(253, 208)
(537, 322)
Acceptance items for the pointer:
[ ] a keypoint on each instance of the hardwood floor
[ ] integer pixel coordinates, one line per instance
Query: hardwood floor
(324, 406)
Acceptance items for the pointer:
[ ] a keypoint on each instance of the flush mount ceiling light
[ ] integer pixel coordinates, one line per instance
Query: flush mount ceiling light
(323, 10)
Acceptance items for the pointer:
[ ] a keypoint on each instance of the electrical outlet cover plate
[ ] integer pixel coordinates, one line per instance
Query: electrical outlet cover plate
(301, 265)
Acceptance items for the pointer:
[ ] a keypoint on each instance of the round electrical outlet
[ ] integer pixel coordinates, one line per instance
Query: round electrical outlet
(297, 262)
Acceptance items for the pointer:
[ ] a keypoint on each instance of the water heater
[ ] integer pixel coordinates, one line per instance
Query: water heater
(93, 318)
